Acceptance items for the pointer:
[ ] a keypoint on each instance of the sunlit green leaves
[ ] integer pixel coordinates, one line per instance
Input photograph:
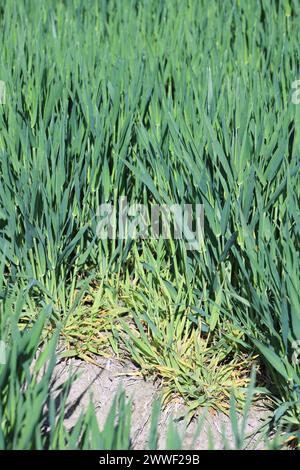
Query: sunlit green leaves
(161, 102)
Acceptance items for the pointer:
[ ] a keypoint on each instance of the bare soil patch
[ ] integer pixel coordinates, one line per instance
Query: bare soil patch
(102, 382)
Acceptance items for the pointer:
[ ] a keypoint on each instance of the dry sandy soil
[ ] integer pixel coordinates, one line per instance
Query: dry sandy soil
(102, 383)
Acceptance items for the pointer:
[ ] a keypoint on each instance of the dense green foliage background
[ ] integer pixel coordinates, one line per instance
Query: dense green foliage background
(162, 102)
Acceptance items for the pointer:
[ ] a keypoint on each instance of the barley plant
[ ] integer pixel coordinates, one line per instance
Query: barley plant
(161, 102)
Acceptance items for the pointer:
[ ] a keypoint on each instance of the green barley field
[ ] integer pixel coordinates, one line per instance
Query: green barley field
(160, 102)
